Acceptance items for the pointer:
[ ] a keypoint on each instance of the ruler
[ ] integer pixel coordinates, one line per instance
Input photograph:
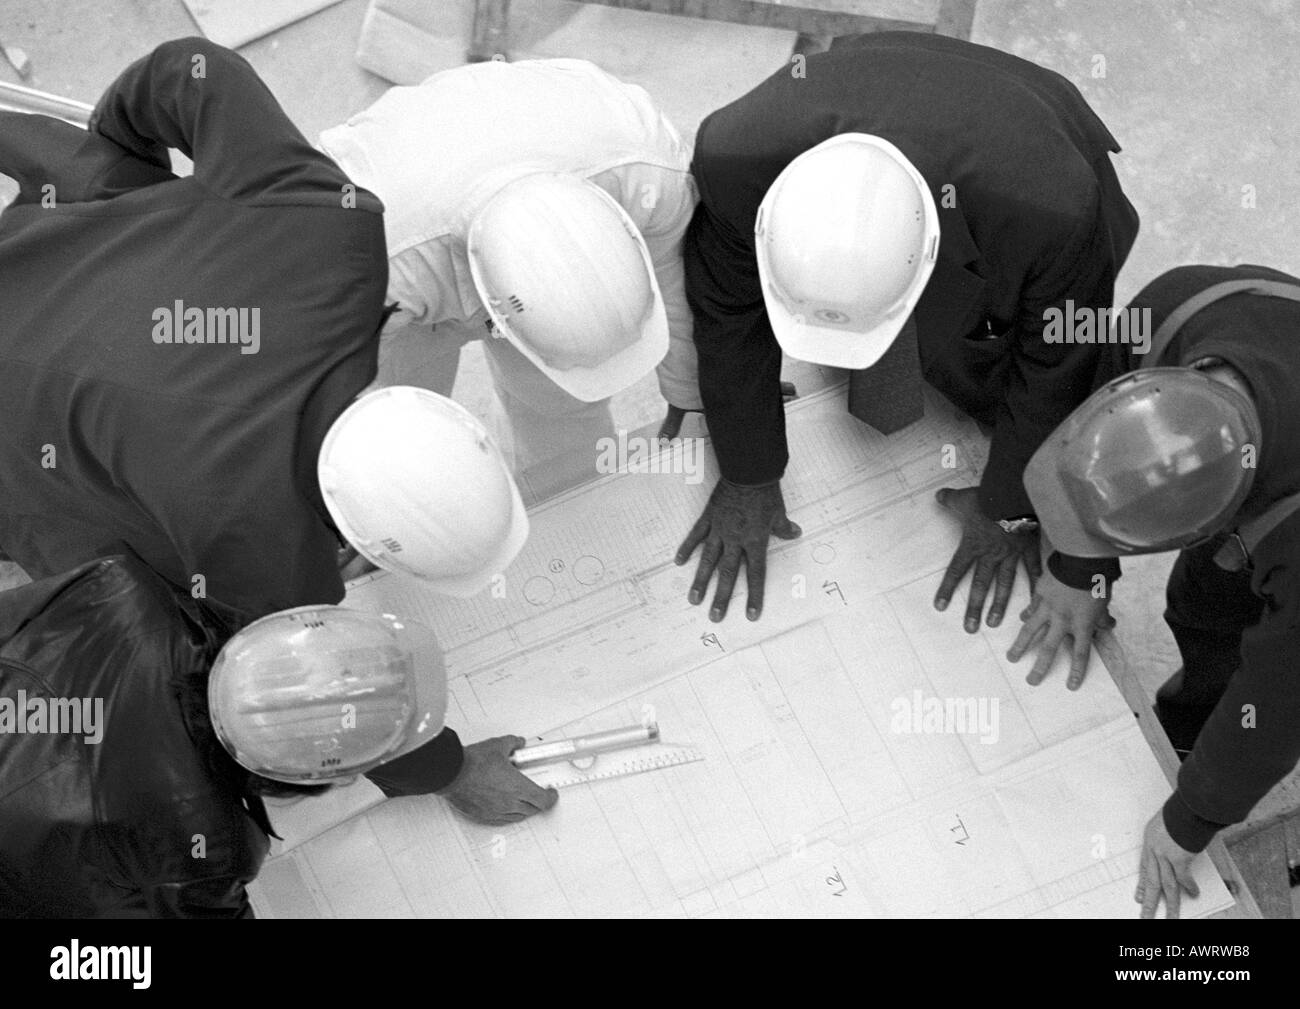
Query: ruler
(617, 764)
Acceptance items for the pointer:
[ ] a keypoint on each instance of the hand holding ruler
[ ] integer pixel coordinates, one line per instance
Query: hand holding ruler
(599, 756)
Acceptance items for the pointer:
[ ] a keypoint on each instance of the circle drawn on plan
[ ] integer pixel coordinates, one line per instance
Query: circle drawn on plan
(539, 590)
(823, 553)
(588, 570)
(555, 566)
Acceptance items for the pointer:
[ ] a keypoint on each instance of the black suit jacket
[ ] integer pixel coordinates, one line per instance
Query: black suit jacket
(1030, 215)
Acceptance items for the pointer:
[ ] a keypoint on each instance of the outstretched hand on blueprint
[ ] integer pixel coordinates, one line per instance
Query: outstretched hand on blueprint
(490, 789)
(1165, 871)
(1055, 613)
(994, 554)
(735, 524)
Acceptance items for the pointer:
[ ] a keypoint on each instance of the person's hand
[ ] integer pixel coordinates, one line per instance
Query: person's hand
(994, 553)
(1055, 613)
(1165, 871)
(672, 424)
(736, 524)
(352, 565)
(490, 789)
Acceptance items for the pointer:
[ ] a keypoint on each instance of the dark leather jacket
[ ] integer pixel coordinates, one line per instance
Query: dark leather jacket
(150, 820)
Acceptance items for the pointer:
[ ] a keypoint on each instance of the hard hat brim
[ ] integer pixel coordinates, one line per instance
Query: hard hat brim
(831, 346)
(465, 586)
(1056, 509)
(617, 373)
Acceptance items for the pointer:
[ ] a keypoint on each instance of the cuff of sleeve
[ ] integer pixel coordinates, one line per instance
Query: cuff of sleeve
(1189, 831)
(1078, 572)
(426, 769)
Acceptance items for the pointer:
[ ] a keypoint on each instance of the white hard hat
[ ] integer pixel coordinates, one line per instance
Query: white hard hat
(568, 280)
(319, 693)
(846, 239)
(416, 484)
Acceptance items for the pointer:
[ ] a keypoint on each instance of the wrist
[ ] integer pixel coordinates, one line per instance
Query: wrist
(1188, 830)
(1082, 572)
(1019, 524)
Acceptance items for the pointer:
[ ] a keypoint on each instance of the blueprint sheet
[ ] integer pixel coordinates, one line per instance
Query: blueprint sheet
(863, 755)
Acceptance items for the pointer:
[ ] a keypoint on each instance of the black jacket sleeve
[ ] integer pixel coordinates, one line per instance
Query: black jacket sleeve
(1252, 739)
(430, 768)
(39, 151)
(1047, 380)
(739, 358)
(208, 103)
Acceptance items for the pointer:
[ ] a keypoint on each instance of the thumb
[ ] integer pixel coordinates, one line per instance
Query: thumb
(508, 744)
(1183, 874)
(950, 497)
(785, 529)
(672, 423)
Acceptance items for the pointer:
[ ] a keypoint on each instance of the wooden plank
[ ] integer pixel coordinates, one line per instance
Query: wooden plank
(1291, 828)
(489, 36)
(765, 14)
(404, 53)
(1262, 858)
(233, 23)
(1243, 886)
(955, 18)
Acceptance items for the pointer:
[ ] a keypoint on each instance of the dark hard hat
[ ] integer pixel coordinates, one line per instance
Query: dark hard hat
(1152, 461)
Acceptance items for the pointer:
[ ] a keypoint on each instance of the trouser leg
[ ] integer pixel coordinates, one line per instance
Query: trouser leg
(550, 429)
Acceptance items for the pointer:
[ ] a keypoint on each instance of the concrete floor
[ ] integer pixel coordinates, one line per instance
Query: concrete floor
(1202, 94)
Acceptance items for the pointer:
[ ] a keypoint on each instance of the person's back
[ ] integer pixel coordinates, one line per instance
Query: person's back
(437, 151)
(116, 799)
(173, 350)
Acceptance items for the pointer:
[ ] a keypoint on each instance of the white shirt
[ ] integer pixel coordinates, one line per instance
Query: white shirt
(436, 152)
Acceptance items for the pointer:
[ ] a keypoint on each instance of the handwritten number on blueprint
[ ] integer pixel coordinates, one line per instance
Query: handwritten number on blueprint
(965, 834)
(837, 880)
(711, 640)
(834, 587)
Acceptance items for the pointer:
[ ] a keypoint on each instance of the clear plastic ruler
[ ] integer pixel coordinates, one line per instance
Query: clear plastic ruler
(614, 764)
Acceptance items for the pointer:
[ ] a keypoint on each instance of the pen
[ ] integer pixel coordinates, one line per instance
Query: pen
(584, 746)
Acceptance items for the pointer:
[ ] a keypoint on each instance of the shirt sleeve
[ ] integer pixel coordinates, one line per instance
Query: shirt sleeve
(1251, 740)
(207, 102)
(660, 200)
(678, 373)
(739, 358)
